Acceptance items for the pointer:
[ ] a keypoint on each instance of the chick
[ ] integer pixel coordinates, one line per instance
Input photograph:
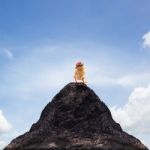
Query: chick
(79, 73)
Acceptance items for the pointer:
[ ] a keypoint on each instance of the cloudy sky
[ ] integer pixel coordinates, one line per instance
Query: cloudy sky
(40, 42)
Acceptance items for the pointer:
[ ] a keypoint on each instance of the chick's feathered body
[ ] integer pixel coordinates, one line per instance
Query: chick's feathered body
(79, 73)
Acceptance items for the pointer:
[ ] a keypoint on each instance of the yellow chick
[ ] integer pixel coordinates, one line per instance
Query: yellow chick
(79, 73)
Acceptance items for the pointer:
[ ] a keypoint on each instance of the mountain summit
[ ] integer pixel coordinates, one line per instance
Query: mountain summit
(76, 119)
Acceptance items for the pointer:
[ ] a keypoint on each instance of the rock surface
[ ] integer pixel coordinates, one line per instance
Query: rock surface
(76, 119)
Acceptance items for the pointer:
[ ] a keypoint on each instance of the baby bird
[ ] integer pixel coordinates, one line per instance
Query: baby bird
(79, 73)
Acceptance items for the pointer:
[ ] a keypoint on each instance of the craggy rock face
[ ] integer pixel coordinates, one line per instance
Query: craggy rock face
(76, 119)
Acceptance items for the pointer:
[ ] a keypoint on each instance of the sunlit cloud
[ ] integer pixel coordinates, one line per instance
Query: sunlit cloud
(2, 144)
(4, 124)
(134, 115)
(146, 38)
(5, 127)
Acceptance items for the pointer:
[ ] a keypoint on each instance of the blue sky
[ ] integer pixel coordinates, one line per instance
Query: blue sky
(40, 42)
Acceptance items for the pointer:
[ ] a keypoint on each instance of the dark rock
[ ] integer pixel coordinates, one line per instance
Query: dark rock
(76, 119)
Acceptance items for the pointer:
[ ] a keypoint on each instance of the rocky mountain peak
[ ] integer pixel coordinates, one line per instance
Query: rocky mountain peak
(76, 119)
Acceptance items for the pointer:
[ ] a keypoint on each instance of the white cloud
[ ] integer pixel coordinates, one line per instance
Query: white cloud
(134, 115)
(128, 80)
(133, 79)
(4, 124)
(8, 53)
(2, 144)
(146, 38)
